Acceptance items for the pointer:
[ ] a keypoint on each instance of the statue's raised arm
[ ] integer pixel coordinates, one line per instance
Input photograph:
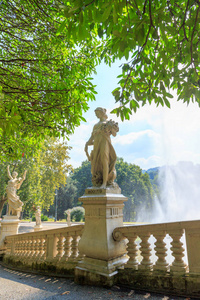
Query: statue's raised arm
(24, 176)
(21, 180)
(8, 171)
(103, 156)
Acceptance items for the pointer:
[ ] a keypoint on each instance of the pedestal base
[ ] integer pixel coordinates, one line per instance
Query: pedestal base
(103, 255)
(9, 226)
(102, 267)
(85, 277)
(98, 272)
(38, 227)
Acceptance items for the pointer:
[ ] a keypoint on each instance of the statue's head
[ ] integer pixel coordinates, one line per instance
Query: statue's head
(38, 207)
(14, 174)
(99, 111)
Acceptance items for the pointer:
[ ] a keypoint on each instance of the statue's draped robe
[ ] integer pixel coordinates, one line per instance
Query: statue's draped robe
(15, 204)
(103, 152)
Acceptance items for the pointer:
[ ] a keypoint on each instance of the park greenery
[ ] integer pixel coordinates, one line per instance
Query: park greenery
(77, 214)
(134, 183)
(49, 51)
(46, 172)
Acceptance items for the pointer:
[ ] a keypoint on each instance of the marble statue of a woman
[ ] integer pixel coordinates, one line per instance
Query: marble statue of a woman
(14, 203)
(103, 156)
(38, 216)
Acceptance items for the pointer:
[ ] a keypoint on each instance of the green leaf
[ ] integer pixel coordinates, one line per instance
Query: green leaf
(61, 27)
(107, 13)
(166, 102)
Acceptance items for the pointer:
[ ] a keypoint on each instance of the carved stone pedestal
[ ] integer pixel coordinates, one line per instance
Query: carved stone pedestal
(103, 255)
(9, 226)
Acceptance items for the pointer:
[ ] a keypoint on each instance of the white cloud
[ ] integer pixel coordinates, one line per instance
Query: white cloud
(152, 161)
(132, 137)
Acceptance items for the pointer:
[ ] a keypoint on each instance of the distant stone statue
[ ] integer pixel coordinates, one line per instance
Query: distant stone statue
(69, 217)
(103, 157)
(14, 184)
(38, 216)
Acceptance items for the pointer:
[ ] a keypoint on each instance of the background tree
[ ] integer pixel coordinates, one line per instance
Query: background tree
(156, 180)
(136, 186)
(66, 198)
(45, 172)
(158, 39)
(82, 178)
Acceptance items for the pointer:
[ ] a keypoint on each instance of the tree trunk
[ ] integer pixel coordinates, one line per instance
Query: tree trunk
(2, 202)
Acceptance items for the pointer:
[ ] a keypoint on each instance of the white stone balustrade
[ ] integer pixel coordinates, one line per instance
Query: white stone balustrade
(52, 246)
(175, 230)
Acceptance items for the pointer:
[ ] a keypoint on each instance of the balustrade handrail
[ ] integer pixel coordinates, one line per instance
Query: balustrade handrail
(70, 229)
(168, 226)
(175, 230)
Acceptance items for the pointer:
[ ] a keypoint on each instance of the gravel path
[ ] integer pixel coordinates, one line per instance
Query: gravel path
(15, 285)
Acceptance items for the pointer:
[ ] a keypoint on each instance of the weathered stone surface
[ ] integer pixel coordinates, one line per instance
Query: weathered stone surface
(9, 226)
(186, 285)
(103, 255)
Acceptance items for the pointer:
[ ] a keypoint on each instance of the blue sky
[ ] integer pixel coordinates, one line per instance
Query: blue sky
(153, 137)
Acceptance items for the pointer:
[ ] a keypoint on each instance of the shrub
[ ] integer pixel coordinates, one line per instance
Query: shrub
(43, 218)
(77, 214)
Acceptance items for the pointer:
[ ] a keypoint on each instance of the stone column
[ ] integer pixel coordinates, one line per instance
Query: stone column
(9, 226)
(103, 255)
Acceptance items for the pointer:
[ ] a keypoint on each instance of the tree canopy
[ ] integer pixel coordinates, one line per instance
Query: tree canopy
(50, 48)
(44, 77)
(158, 38)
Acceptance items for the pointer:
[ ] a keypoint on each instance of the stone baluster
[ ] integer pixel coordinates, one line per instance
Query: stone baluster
(8, 246)
(161, 251)
(74, 247)
(40, 249)
(146, 263)
(24, 247)
(37, 248)
(23, 241)
(29, 247)
(67, 247)
(132, 252)
(178, 264)
(17, 248)
(59, 247)
(32, 248)
(13, 247)
(80, 255)
(44, 248)
(51, 247)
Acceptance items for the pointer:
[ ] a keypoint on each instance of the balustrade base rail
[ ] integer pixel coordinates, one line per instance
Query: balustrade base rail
(168, 284)
(187, 285)
(50, 268)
